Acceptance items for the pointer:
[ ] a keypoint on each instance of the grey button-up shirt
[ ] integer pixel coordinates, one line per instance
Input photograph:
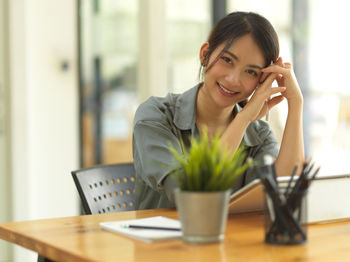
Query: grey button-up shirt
(160, 122)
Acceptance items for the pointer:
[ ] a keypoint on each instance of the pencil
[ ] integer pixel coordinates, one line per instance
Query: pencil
(151, 227)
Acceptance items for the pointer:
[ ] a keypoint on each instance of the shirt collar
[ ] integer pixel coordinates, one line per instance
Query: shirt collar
(185, 110)
(185, 116)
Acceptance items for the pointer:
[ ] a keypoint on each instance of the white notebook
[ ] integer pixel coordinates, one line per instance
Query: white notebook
(146, 235)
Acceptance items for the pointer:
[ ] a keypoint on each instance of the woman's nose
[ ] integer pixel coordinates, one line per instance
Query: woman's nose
(233, 77)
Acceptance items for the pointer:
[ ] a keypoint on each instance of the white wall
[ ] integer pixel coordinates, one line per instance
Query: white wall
(5, 191)
(44, 106)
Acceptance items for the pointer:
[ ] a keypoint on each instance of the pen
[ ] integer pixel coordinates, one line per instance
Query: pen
(291, 179)
(151, 227)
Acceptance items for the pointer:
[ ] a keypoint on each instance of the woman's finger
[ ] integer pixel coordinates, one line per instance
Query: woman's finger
(275, 90)
(279, 80)
(279, 62)
(276, 69)
(275, 101)
(263, 77)
(268, 105)
(268, 81)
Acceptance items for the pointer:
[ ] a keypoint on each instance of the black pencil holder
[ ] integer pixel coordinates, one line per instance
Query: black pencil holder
(285, 217)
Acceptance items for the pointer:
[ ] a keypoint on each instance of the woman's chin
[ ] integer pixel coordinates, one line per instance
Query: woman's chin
(224, 103)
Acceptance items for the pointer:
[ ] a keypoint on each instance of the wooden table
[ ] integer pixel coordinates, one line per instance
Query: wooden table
(81, 239)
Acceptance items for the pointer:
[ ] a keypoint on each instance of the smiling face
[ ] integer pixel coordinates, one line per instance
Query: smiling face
(235, 74)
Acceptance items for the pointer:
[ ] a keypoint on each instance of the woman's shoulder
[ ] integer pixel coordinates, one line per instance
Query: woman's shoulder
(174, 109)
(156, 108)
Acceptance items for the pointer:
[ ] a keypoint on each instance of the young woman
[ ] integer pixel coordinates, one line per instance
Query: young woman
(240, 59)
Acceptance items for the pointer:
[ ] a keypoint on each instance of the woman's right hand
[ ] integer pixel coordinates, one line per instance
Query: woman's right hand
(286, 78)
(260, 103)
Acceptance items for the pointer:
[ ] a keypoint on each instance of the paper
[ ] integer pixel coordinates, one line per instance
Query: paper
(146, 235)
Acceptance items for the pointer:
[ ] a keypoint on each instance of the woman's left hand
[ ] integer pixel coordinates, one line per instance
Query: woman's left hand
(285, 77)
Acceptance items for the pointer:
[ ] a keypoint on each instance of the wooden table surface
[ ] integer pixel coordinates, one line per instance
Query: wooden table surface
(81, 239)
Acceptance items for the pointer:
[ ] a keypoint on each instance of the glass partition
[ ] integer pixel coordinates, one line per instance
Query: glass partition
(188, 26)
(110, 53)
(108, 79)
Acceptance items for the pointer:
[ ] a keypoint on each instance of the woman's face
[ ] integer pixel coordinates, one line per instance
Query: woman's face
(235, 74)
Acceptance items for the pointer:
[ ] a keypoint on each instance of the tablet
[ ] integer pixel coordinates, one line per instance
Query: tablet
(328, 198)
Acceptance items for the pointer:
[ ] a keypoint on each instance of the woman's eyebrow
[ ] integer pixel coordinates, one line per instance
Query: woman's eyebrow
(237, 59)
(232, 55)
(256, 66)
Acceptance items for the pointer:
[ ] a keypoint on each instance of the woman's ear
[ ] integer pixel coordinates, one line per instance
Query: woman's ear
(203, 54)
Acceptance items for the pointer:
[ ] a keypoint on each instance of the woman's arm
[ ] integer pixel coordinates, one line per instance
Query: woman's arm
(256, 108)
(292, 145)
(152, 158)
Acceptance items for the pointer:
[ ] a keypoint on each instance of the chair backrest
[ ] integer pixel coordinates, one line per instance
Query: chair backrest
(106, 188)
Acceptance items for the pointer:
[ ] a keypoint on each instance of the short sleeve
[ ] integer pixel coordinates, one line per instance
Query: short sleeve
(152, 159)
(268, 146)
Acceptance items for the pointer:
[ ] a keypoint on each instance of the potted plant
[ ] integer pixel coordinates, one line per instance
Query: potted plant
(205, 173)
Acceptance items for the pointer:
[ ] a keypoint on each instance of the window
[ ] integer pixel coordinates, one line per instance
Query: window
(108, 58)
(117, 42)
(188, 25)
(330, 90)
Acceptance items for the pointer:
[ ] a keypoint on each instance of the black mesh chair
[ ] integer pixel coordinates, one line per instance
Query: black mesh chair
(106, 188)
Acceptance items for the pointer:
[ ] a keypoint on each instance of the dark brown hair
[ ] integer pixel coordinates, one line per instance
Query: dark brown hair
(236, 25)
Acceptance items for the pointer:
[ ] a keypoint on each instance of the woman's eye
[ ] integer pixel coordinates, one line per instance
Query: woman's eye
(252, 72)
(226, 59)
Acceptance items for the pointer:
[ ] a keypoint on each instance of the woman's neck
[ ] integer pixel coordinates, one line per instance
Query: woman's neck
(211, 116)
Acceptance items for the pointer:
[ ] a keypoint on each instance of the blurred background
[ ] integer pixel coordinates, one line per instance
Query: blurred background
(72, 74)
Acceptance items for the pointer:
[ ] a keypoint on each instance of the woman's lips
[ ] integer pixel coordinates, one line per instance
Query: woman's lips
(225, 91)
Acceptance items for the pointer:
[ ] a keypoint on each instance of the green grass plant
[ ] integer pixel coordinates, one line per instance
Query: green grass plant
(207, 165)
